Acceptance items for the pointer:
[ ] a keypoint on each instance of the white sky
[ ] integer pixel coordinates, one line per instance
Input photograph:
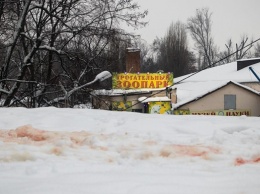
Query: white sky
(231, 18)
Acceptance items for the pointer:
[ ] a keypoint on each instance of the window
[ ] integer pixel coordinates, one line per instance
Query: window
(229, 101)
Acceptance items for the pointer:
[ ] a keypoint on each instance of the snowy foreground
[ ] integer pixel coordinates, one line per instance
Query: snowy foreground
(82, 151)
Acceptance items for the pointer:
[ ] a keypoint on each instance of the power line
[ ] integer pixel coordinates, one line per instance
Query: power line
(214, 63)
(218, 61)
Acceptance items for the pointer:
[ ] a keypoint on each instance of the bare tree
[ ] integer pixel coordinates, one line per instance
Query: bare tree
(226, 55)
(257, 50)
(200, 27)
(241, 51)
(58, 43)
(173, 53)
(235, 52)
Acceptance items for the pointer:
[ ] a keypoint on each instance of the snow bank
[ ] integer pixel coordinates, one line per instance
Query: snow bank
(51, 150)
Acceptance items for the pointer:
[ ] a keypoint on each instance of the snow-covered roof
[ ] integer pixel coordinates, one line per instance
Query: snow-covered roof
(257, 58)
(214, 86)
(209, 80)
(120, 92)
(154, 99)
(225, 72)
(132, 49)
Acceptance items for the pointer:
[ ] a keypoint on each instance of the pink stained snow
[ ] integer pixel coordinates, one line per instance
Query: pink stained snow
(50, 150)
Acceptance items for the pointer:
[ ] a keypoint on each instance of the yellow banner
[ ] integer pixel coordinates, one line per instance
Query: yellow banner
(181, 112)
(141, 80)
(223, 112)
(213, 112)
(122, 106)
(160, 107)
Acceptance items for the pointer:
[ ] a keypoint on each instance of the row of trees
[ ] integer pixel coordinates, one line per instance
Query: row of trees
(172, 53)
(51, 48)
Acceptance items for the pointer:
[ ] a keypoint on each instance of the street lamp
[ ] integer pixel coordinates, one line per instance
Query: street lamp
(99, 77)
(103, 76)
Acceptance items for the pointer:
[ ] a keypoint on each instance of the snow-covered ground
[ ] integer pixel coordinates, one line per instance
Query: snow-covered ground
(82, 151)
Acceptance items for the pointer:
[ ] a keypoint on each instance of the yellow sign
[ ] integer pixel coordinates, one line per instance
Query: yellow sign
(237, 112)
(223, 112)
(122, 106)
(181, 112)
(214, 112)
(160, 107)
(141, 80)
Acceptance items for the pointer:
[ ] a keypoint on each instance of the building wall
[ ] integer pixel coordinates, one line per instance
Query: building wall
(133, 99)
(105, 102)
(172, 96)
(101, 102)
(245, 100)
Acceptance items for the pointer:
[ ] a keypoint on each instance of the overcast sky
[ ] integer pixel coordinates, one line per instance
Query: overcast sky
(231, 18)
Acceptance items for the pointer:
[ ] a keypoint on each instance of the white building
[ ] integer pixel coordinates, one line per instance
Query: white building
(230, 89)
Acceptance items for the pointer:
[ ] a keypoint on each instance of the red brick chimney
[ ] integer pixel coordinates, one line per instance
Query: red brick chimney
(133, 64)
